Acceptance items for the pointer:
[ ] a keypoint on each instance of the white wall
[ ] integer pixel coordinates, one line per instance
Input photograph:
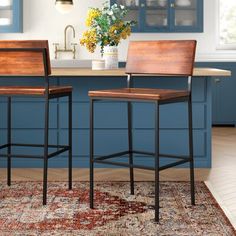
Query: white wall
(42, 21)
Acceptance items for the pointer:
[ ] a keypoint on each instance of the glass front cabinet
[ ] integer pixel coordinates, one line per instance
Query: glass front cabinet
(165, 15)
(11, 16)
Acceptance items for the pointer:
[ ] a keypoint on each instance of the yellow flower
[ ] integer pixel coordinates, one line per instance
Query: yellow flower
(114, 33)
(97, 34)
(92, 15)
(89, 39)
(126, 32)
(105, 42)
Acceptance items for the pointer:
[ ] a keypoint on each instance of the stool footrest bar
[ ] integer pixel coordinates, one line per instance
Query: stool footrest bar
(4, 146)
(173, 164)
(112, 155)
(141, 166)
(21, 156)
(62, 148)
(36, 145)
(58, 152)
(124, 164)
(160, 155)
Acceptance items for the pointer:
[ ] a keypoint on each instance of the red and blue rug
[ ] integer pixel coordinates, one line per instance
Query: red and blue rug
(116, 211)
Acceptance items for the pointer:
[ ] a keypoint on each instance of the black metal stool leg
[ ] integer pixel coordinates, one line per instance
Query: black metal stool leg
(130, 141)
(191, 151)
(91, 153)
(157, 164)
(45, 168)
(70, 140)
(9, 141)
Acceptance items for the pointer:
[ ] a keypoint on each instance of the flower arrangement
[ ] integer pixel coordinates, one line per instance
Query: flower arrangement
(107, 27)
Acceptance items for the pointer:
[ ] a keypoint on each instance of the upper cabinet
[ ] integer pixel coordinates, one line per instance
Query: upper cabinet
(11, 20)
(165, 15)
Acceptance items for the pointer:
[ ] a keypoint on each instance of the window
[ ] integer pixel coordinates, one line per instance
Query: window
(227, 24)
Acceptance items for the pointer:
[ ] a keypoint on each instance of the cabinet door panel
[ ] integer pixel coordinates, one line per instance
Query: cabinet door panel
(157, 18)
(187, 15)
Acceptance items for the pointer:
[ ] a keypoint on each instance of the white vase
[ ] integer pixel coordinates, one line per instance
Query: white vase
(110, 56)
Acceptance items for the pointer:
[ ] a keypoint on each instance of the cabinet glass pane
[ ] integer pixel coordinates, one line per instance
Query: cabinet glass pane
(6, 14)
(156, 3)
(133, 6)
(156, 18)
(185, 12)
(133, 15)
(128, 3)
(156, 13)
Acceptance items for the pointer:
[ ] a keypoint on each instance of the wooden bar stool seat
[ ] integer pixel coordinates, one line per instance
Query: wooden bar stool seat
(161, 58)
(140, 93)
(33, 90)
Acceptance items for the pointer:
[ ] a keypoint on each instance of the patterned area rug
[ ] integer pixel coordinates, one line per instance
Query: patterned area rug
(116, 213)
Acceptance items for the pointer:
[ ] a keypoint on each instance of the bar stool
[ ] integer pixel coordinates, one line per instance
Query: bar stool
(163, 58)
(31, 58)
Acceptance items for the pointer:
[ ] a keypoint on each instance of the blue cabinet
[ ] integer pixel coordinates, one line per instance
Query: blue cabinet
(165, 15)
(11, 19)
(223, 94)
(111, 131)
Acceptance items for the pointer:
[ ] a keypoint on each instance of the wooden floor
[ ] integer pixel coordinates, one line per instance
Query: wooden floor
(221, 179)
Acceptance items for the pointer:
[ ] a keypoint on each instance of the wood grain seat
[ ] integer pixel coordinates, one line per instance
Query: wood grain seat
(33, 90)
(140, 93)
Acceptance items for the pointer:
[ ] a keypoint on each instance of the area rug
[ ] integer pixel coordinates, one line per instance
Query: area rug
(115, 213)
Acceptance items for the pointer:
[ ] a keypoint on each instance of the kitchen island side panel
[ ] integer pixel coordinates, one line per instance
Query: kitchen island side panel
(111, 122)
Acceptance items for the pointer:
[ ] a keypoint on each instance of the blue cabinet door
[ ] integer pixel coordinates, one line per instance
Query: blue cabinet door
(223, 94)
(155, 16)
(186, 15)
(11, 17)
(165, 15)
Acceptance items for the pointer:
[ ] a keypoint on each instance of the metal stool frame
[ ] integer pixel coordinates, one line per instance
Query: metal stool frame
(181, 159)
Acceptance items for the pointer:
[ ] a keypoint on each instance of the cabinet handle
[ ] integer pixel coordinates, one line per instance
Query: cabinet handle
(172, 5)
(217, 80)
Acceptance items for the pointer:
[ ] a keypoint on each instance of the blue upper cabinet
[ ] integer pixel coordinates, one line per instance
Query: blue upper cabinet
(165, 15)
(11, 16)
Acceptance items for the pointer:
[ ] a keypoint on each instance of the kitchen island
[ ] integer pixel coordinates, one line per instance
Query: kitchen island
(111, 117)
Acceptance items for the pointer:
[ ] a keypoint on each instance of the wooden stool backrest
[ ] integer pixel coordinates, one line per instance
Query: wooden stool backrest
(167, 57)
(24, 57)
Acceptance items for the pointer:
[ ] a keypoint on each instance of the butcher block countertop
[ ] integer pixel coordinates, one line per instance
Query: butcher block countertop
(88, 72)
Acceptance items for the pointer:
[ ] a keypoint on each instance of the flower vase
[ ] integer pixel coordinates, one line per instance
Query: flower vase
(110, 56)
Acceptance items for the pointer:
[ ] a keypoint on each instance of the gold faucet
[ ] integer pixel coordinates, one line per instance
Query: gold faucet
(66, 49)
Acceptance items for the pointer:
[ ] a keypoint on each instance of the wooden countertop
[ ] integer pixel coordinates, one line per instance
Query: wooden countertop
(87, 72)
